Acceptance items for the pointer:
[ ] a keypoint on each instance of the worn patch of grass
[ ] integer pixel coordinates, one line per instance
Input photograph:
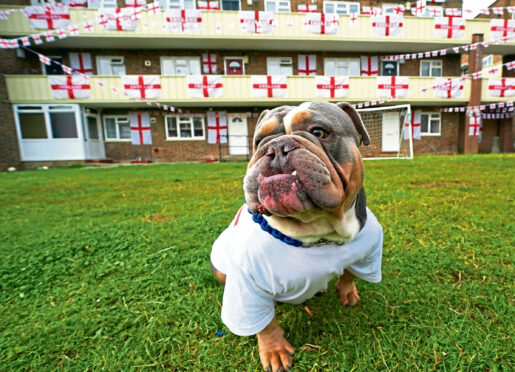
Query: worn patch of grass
(109, 268)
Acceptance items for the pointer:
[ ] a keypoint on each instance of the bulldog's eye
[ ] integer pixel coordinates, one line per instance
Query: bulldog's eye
(258, 141)
(319, 132)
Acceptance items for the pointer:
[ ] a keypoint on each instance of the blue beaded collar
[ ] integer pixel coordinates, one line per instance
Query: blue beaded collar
(259, 219)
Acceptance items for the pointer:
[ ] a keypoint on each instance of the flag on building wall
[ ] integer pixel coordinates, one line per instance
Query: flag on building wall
(81, 63)
(322, 23)
(204, 86)
(48, 17)
(415, 120)
(419, 9)
(135, 3)
(387, 25)
(449, 88)
(392, 86)
(208, 5)
(216, 127)
(69, 87)
(332, 86)
(474, 125)
(269, 86)
(307, 64)
(449, 27)
(209, 65)
(256, 22)
(117, 19)
(369, 66)
(141, 87)
(502, 28)
(185, 20)
(503, 87)
(141, 132)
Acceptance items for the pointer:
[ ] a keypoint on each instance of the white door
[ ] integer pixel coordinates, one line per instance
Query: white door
(391, 132)
(93, 137)
(238, 135)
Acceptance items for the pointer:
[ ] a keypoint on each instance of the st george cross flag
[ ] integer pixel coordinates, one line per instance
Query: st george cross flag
(474, 125)
(48, 17)
(209, 65)
(453, 12)
(502, 28)
(415, 120)
(306, 8)
(141, 132)
(269, 86)
(69, 87)
(204, 86)
(503, 87)
(332, 86)
(256, 22)
(322, 23)
(184, 20)
(419, 9)
(449, 27)
(216, 127)
(81, 63)
(392, 86)
(369, 66)
(135, 3)
(449, 88)
(307, 64)
(117, 19)
(141, 87)
(208, 5)
(387, 25)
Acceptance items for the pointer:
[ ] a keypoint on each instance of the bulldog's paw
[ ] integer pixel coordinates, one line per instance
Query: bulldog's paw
(347, 292)
(275, 351)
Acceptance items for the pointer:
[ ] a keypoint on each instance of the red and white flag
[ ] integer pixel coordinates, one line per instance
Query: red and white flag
(204, 86)
(256, 22)
(117, 19)
(419, 9)
(322, 23)
(449, 27)
(48, 17)
(135, 3)
(371, 10)
(369, 66)
(353, 18)
(69, 87)
(332, 86)
(141, 133)
(510, 9)
(37, 39)
(392, 86)
(154, 8)
(141, 87)
(415, 121)
(474, 125)
(269, 86)
(76, 3)
(387, 25)
(216, 127)
(306, 8)
(453, 12)
(209, 65)
(81, 63)
(185, 20)
(502, 87)
(307, 64)
(449, 88)
(208, 5)
(502, 28)
(498, 10)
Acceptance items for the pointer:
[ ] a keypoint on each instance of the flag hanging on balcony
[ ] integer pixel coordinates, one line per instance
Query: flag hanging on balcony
(76, 3)
(256, 22)
(322, 23)
(307, 64)
(369, 66)
(387, 25)
(69, 87)
(135, 3)
(48, 17)
(185, 20)
(449, 27)
(208, 5)
(419, 9)
(415, 119)
(141, 87)
(503, 87)
(500, 28)
(449, 88)
(117, 19)
(474, 125)
(81, 63)
(306, 8)
(216, 127)
(209, 65)
(371, 10)
(204, 86)
(269, 86)
(392, 86)
(332, 86)
(141, 132)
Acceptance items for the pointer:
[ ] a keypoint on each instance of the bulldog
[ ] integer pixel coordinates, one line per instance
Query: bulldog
(305, 222)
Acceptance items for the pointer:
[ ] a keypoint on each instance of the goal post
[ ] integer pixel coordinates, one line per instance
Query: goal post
(387, 127)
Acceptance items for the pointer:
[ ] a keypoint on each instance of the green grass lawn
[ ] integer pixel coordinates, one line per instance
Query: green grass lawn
(109, 269)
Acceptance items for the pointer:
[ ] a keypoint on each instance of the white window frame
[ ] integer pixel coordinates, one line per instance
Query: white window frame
(277, 9)
(236, 57)
(341, 7)
(175, 58)
(98, 58)
(117, 124)
(431, 61)
(488, 60)
(178, 122)
(222, 5)
(342, 60)
(98, 4)
(269, 59)
(431, 116)
(167, 4)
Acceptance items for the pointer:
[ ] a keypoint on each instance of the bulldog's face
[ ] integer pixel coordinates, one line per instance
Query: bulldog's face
(306, 162)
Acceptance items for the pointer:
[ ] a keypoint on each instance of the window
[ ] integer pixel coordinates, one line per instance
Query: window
(341, 7)
(177, 4)
(184, 128)
(230, 4)
(342, 67)
(180, 66)
(279, 66)
(432, 11)
(278, 6)
(430, 124)
(63, 124)
(102, 4)
(111, 65)
(488, 60)
(117, 128)
(32, 125)
(42, 2)
(47, 121)
(431, 68)
(54, 68)
(389, 8)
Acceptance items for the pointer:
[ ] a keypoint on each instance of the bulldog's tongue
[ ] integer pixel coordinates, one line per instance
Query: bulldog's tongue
(280, 194)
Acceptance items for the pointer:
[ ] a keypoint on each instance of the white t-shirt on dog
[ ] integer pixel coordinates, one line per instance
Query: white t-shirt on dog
(261, 269)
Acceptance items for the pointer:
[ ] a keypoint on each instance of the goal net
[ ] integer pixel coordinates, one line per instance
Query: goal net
(390, 132)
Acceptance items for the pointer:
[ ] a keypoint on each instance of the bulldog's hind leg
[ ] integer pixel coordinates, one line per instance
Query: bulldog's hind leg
(346, 289)
(220, 276)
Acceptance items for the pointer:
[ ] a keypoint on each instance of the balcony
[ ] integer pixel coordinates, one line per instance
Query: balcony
(221, 30)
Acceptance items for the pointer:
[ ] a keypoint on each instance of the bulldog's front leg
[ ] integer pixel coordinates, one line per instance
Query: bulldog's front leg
(275, 351)
(347, 289)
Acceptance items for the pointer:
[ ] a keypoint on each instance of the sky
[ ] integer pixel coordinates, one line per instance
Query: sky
(476, 5)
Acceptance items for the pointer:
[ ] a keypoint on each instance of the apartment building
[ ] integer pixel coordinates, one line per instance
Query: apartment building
(39, 128)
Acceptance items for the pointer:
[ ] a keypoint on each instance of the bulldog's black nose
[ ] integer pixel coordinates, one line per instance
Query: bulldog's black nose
(279, 149)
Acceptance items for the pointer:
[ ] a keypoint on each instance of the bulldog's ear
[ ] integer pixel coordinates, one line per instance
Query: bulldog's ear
(261, 116)
(356, 120)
